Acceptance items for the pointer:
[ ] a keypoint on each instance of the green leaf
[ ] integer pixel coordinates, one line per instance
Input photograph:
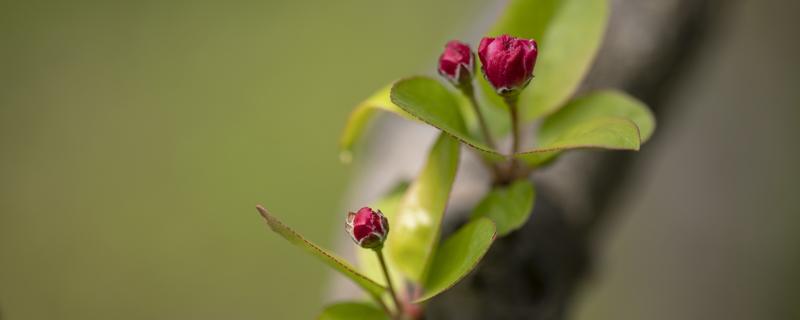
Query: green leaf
(598, 133)
(607, 103)
(508, 206)
(569, 33)
(457, 256)
(360, 116)
(604, 119)
(328, 258)
(352, 310)
(429, 101)
(415, 230)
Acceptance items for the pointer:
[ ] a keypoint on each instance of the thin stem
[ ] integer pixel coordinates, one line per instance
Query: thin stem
(399, 306)
(511, 101)
(468, 91)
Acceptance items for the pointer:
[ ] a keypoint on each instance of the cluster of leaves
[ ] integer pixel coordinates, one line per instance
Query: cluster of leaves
(569, 33)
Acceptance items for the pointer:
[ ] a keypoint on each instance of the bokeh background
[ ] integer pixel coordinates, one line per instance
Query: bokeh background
(136, 138)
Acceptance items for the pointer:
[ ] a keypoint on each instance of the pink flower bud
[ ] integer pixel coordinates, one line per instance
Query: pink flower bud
(508, 62)
(367, 227)
(457, 63)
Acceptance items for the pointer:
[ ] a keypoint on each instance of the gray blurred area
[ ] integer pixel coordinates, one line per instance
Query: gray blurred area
(709, 225)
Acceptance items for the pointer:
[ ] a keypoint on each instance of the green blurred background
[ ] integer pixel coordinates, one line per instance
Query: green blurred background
(137, 137)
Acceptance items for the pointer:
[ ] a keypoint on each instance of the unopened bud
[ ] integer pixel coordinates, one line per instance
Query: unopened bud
(367, 227)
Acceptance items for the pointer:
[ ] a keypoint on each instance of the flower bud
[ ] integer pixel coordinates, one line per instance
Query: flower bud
(457, 63)
(507, 62)
(367, 227)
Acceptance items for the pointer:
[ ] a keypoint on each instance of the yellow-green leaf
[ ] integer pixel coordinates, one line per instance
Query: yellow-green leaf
(457, 256)
(360, 116)
(328, 258)
(416, 226)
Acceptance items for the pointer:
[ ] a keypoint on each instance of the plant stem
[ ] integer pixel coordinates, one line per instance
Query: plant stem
(468, 91)
(379, 252)
(511, 101)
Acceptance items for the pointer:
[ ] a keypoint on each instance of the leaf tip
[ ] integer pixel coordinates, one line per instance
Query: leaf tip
(273, 223)
(263, 212)
(261, 209)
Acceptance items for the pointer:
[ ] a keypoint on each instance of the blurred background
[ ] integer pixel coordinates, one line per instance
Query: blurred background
(136, 138)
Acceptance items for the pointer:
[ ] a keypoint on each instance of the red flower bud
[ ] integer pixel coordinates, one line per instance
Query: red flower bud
(367, 227)
(508, 62)
(457, 63)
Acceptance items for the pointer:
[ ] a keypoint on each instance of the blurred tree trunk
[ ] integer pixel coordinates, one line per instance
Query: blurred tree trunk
(534, 272)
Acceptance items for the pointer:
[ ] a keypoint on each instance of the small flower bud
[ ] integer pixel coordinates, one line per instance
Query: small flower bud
(367, 227)
(507, 62)
(457, 63)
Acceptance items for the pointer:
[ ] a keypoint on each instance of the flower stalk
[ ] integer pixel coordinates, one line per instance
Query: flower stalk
(468, 90)
(369, 228)
(511, 101)
(390, 286)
